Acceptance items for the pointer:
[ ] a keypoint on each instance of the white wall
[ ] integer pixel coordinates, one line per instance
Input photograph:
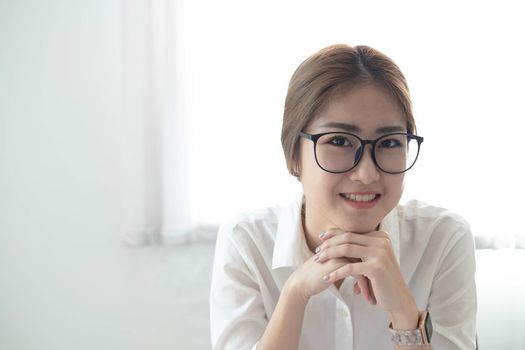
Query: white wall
(66, 279)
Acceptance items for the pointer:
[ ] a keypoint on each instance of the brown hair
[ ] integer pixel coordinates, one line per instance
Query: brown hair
(328, 73)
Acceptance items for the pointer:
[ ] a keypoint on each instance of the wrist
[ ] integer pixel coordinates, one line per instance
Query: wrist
(406, 318)
(294, 292)
(422, 335)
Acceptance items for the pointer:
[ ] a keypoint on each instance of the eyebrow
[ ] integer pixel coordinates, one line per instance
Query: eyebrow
(356, 129)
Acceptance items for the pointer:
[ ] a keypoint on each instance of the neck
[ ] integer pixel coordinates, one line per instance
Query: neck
(311, 233)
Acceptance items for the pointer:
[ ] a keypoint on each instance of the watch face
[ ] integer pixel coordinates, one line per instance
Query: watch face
(428, 326)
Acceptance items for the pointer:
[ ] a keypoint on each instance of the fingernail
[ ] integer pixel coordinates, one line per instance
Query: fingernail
(318, 249)
(326, 277)
(316, 258)
(321, 235)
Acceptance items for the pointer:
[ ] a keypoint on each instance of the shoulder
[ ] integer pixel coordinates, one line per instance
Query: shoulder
(433, 226)
(421, 214)
(435, 240)
(251, 222)
(250, 232)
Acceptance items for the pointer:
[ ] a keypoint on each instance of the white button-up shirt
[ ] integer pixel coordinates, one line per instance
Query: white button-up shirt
(256, 253)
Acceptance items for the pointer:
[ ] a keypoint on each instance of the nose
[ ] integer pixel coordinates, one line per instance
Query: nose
(366, 170)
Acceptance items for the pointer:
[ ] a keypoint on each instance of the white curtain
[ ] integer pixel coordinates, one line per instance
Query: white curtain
(155, 196)
(193, 154)
(205, 83)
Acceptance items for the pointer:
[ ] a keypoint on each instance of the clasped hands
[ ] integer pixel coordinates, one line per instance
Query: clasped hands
(371, 260)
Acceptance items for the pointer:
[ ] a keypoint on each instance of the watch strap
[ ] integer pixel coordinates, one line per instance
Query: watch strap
(417, 336)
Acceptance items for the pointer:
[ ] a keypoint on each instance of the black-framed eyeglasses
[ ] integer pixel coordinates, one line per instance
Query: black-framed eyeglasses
(339, 152)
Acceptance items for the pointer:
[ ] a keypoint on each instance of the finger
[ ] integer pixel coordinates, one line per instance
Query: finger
(372, 295)
(329, 234)
(378, 239)
(351, 251)
(357, 290)
(347, 270)
(332, 238)
(362, 282)
(378, 234)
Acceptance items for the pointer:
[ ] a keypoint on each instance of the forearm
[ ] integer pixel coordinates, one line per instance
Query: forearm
(284, 328)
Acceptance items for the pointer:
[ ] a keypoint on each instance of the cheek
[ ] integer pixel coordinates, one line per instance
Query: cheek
(395, 187)
(308, 166)
(316, 183)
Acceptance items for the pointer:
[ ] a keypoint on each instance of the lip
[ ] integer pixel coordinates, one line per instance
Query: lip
(361, 205)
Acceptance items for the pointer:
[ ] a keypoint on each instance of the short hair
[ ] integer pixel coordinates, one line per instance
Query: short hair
(329, 73)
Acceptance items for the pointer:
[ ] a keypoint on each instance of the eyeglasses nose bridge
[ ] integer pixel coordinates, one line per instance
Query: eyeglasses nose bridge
(361, 151)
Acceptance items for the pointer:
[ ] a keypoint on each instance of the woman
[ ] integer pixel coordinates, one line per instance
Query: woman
(346, 266)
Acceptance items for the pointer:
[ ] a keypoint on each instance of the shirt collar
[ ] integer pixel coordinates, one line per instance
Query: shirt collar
(390, 225)
(291, 249)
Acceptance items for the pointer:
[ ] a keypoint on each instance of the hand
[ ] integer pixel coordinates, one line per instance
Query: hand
(378, 274)
(308, 280)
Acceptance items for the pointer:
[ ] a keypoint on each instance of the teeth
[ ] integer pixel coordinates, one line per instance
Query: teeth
(359, 197)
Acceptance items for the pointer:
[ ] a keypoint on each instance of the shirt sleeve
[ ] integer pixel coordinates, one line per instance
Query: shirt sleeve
(452, 303)
(237, 315)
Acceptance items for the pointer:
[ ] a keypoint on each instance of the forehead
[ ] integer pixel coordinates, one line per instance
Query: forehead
(368, 108)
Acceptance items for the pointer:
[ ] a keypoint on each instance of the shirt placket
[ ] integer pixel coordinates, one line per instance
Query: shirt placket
(343, 317)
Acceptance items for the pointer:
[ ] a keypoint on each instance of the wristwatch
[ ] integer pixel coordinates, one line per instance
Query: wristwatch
(419, 336)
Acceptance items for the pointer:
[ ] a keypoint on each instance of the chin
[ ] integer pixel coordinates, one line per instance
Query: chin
(363, 229)
(359, 226)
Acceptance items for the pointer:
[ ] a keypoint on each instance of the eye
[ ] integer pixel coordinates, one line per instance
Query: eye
(340, 141)
(390, 143)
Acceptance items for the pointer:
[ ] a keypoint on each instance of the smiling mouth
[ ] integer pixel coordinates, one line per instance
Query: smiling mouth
(360, 197)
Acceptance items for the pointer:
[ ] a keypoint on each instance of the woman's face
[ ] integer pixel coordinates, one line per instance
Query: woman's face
(369, 112)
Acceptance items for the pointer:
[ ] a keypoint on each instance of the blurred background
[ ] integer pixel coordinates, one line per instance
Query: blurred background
(130, 129)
